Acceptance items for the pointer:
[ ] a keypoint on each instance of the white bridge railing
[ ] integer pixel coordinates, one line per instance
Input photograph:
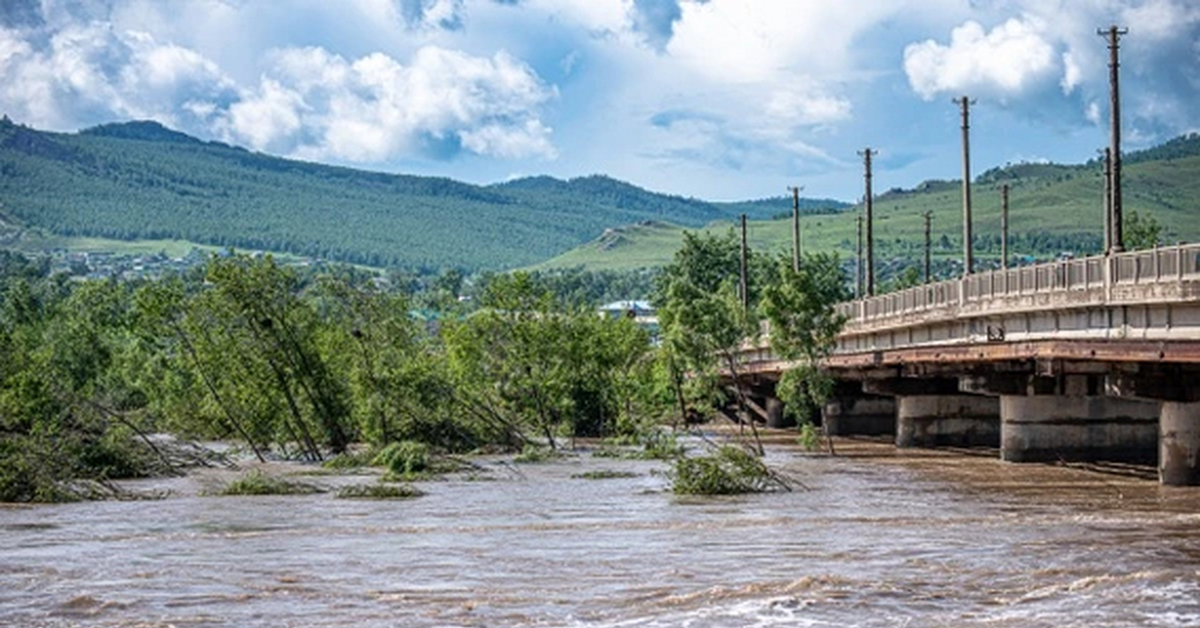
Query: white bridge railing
(1101, 273)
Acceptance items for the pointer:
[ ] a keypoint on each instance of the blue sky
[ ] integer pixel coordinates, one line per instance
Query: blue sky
(716, 99)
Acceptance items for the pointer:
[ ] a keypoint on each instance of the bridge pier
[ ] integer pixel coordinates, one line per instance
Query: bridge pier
(1179, 444)
(1046, 428)
(947, 420)
(860, 415)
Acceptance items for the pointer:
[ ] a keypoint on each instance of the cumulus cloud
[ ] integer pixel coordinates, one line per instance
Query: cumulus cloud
(322, 106)
(90, 73)
(1009, 60)
(1056, 44)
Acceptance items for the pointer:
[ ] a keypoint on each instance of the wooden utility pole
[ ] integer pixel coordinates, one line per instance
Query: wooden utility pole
(858, 274)
(745, 284)
(869, 270)
(796, 227)
(1106, 155)
(927, 215)
(1114, 159)
(1004, 226)
(968, 260)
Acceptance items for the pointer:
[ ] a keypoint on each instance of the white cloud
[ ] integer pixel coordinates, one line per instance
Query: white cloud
(90, 73)
(319, 105)
(1008, 61)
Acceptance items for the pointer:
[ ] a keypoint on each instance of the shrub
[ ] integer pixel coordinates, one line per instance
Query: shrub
(604, 474)
(379, 491)
(533, 453)
(404, 458)
(727, 471)
(258, 483)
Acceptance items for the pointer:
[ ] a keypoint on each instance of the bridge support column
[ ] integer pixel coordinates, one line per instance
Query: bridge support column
(947, 420)
(776, 415)
(1179, 444)
(860, 415)
(1045, 428)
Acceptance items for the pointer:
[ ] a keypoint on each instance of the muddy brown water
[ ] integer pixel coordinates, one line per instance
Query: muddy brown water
(878, 538)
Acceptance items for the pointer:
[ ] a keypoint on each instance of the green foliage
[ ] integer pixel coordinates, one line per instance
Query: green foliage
(650, 444)
(1141, 232)
(258, 483)
(727, 471)
(534, 454)
(524, 361)
(404, 458)
(809, 437)
(804, 328)
(604, 474)
(348, 460)
(299, 365)
(379, 491)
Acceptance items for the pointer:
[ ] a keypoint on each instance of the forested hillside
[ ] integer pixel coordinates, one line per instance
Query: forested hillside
(139, 180)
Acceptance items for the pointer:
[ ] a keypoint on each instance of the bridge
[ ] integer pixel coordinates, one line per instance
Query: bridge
(1085, 359)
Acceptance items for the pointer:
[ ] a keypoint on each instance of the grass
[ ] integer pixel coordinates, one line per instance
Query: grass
(533, 454)
(258, 483)
(379, 491)
(604, 474)
(1052, 199)
(655, 445)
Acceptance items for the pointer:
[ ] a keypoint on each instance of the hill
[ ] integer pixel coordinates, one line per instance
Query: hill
(1053, 209)
(141, 181)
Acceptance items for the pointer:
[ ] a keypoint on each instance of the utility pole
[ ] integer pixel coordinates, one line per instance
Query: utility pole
(1106, 155)
(1114, 36)
(858, 274)
(796, 227)
(1004, 226)
(927, 215)
(869, 271)
(968, 261)
(744, 281)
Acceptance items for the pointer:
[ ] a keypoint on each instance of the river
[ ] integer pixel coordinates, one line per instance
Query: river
(875, 538)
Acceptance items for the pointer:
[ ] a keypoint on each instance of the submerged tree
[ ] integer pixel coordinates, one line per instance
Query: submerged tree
(804, 327)
(705, 321)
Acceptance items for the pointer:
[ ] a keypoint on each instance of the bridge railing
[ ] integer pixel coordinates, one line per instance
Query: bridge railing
(1157, 265)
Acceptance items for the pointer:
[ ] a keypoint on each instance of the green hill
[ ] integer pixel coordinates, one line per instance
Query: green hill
(140, 181)
(1053, 209)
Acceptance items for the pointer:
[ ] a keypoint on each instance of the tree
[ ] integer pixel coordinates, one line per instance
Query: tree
(703, 319)
(804, 327)
(1141, 232)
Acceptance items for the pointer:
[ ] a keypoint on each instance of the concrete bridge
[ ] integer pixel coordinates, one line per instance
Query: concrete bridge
(1076, 360)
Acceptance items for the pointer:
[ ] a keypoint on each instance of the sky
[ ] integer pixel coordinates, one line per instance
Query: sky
(713, 99)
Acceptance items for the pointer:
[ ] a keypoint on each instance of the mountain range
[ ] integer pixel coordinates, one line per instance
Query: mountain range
(139, 180)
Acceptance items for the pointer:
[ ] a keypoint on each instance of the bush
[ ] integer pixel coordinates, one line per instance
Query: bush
(533, 454)
(404, 458)
(809, 437)
(604, 474)
(379, 491)
(258, 483)
(727, 471)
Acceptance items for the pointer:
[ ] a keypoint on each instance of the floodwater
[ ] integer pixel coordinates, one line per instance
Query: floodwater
(876, 538)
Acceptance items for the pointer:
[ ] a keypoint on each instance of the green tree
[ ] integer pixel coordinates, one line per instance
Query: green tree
(704, 321)
(804, 325)
(1141, 232)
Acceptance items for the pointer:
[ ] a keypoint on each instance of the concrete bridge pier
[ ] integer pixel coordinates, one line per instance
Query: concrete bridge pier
(852, 412)
(934, 412)
(1046, 428)
(1179, 444)
(948, 421)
